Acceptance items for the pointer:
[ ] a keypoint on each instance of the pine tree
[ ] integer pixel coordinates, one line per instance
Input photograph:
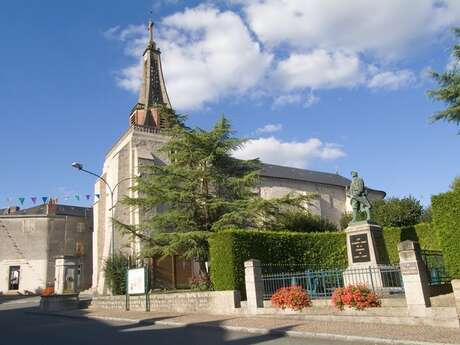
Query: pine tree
(203, 189)
(449, 88)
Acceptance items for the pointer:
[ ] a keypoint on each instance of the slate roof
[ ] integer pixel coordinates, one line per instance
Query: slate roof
(278, 171)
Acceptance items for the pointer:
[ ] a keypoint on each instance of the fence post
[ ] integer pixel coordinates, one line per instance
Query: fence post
(254, 284)
(414, 275)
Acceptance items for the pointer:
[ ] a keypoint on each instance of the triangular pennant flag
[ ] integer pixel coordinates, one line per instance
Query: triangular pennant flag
(97, 196)
(77, 197)
(87, 196)
(34, 199)
(21, 200)
(45, 199)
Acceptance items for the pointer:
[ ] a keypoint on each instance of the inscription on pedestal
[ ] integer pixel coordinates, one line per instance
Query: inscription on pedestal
(359, 245)
(409, 268)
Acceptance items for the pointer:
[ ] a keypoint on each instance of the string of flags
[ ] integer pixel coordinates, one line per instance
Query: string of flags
(45, 199)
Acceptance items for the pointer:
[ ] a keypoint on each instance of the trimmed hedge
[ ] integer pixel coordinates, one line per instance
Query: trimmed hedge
(423, 233)
(231, 248)
(446, 220)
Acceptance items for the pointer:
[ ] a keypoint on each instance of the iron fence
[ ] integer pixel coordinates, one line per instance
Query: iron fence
(384, 280)
(435, 267)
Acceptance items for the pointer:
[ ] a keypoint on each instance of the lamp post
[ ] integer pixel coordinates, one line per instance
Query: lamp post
(79, 167)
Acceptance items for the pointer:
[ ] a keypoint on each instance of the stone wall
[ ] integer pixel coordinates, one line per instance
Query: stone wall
(212, 302)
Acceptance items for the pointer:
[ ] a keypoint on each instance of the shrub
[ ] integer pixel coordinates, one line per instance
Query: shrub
(48, 291)
(293, 297)
(423, 233)
(200, 283)
(446, 221)
(358, 297)
(231, 248)
(298, 221)
(115, 270)
(399, 212)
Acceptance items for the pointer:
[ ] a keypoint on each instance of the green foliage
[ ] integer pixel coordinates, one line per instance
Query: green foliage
(446, 220)
(424, 233)
(301, 221)
(115, 272)
(201, 190)
(455, 185)
(346, 218)
(449, 89)
(231, 248)
(397, 212)
(427, 215)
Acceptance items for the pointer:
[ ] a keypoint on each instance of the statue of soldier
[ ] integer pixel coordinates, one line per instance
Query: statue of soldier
(357, 193)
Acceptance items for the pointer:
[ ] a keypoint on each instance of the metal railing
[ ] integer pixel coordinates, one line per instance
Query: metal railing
(435, 268)
(384, 279)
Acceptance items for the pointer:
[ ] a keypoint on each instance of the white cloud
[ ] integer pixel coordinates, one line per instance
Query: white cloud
(270, 128)
(311, 100)
(384, 27)
(298, 154)
(319, 69)
(392, 80)
(287, 99)
(207, 55)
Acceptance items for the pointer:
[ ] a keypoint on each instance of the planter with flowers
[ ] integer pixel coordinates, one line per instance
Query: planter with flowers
(292, 297)
(358, 297)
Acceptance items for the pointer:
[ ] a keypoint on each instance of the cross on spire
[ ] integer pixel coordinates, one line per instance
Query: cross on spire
(150, 30)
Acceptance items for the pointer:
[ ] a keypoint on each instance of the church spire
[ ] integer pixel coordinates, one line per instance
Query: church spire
(153, 94)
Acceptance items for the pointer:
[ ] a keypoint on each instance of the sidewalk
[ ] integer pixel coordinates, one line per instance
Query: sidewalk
(353, 332)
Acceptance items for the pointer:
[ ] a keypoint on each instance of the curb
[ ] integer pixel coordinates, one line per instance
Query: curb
(252, 330)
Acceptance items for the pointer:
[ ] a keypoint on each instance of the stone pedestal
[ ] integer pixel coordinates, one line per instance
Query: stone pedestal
(414, 277)
(254, 284)
(366, 254)
(66, 275)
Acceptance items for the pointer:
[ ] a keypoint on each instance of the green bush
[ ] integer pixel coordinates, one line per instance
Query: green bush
(446, 221)
(231, 248)
(297, 221)
(115, 272)
(423, 233)
(405, 211)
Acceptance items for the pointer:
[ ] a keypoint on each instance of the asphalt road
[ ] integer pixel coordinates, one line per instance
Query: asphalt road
(18, 326)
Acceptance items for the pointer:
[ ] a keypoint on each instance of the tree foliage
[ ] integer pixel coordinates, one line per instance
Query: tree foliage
(455, 185)
(397, 212)
(115, 269)
(202, 189)
(449, 88)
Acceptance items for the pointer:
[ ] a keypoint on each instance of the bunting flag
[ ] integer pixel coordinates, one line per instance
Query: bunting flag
(24, 200)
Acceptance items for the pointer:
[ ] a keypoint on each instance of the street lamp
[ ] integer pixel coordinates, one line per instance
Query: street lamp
(79, 167)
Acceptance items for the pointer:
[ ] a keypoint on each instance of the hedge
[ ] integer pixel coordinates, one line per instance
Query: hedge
(446, 220)
(231, 248)
(423, 233)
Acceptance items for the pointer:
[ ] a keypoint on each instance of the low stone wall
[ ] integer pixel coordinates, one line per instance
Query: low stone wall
(59, 302)
(212, 302)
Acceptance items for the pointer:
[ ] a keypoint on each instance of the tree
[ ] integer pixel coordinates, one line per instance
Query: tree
(455, 185)
(203, 189)
(449, 88)
(398, 212)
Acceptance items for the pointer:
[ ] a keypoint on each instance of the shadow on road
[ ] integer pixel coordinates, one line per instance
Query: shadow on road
(21, 326)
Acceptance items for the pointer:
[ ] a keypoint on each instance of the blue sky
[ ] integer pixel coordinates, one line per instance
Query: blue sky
(312, 83)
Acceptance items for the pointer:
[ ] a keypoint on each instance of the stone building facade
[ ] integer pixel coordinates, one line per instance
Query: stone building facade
(141, 144)
(32, 239)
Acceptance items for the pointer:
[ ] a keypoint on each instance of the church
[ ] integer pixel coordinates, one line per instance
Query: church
(140, 145)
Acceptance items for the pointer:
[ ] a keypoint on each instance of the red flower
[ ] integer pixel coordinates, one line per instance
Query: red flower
(356, 296)
(293, 297)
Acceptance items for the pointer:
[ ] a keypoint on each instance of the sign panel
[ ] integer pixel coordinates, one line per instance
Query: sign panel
(136, 281)
(409, 268)
(360, 248)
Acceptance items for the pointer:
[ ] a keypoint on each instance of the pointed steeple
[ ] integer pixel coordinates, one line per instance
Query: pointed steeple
(153, 94)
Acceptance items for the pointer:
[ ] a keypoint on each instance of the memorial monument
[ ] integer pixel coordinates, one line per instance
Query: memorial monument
(365, 245)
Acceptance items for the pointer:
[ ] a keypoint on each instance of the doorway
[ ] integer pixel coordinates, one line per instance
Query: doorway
(13, 282)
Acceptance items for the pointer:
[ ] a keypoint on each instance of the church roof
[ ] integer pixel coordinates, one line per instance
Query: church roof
(279, 171)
